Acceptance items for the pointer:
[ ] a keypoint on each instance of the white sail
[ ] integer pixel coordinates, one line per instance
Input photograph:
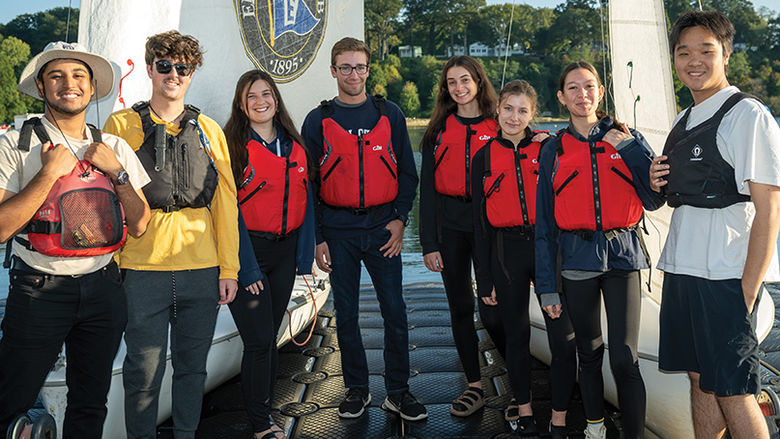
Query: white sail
(643, 91)
(644, 99)
(118, 30)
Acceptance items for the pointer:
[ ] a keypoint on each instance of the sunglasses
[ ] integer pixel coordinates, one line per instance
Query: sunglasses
(164, 67)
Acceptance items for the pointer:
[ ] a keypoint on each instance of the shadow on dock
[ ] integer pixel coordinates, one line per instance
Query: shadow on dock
(309, 384)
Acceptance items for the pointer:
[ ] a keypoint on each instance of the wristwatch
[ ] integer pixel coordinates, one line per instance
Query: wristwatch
(122, 178)
(403, 218)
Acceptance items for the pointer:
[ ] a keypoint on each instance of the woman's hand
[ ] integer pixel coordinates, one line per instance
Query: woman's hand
(554, 311)
(490, 300)
(614, 136)
(540, 137)
(255, 288)
(433, 261)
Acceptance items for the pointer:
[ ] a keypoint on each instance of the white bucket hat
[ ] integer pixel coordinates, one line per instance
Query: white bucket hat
(102, 73)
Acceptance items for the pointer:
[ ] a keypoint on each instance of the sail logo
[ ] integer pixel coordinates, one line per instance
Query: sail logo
(292, 16)
(300, 169)
(615, 156)
(377, 148)
(484, 137)
(696, 153)
(282, 37)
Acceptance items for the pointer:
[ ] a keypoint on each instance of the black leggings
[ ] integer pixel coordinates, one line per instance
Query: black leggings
(258, 318)
(457, 249)
(622, 300)
(513, 302)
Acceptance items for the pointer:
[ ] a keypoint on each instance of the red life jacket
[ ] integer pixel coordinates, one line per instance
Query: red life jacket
(273, 193)
(357, 171)
(454, 152)
(509, 185)
(81, 216)
(594, 189)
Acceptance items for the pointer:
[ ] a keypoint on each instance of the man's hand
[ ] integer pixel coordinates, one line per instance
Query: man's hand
(490, 300)
(104, 158)
(57, 161)
(554, 311)
(393, 245)
(658, 173)
(433, 261)
(227, 290)
(322, 256)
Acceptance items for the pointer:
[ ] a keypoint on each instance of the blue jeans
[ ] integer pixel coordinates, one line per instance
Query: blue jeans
(385, 273)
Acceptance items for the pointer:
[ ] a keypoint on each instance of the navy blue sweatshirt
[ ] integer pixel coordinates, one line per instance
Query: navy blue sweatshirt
(341, 223)
(250, 270)
(624, 252)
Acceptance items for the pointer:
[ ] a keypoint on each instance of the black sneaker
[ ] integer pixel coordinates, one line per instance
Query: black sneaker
(354, 403)
(406, 406)
(558, 432)
(526, 427)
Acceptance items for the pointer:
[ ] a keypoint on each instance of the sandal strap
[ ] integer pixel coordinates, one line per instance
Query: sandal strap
(468, 398)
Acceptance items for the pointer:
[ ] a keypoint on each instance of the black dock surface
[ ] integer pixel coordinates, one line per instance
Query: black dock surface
(310, 386)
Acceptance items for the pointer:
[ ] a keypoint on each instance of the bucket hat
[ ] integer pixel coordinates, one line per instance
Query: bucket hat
(102, 73)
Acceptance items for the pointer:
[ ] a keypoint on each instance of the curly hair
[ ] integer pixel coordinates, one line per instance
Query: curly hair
(175, 45)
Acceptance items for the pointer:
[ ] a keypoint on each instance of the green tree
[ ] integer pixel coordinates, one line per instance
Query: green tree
(576, 24)
(380, 18)
(14, 54)
(409, 100)
(41, 28)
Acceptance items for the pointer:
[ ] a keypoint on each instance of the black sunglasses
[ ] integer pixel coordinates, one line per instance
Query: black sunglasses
(164, 66)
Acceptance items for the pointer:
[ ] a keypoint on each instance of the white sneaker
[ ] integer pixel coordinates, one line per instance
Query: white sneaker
(596, 431)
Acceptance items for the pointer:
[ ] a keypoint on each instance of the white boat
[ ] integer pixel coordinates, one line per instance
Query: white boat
(644, 99)
(298, 59)
(224, 360)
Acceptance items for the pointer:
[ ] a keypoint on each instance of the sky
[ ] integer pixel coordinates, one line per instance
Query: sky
(9, 9)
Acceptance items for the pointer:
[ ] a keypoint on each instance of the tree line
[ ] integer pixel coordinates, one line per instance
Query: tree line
(548, 38)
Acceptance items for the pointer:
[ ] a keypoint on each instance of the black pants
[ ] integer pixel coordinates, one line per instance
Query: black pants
(457, 249)
(43, 311)
(622, 300)
(513, 301)
(258, 318)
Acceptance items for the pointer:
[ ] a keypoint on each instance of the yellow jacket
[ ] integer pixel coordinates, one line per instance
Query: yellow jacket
(187, 239)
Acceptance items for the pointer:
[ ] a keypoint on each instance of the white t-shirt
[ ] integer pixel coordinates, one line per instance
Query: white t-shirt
(18, 167)
(713, 243)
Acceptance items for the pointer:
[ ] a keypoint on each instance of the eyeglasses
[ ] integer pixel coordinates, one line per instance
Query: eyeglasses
(164, 67)
(347, 69)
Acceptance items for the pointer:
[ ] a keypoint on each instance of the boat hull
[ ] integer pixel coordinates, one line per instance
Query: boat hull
(223, 363)
(668, 393)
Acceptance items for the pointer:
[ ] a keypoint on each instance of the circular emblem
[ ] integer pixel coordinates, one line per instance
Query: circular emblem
(282, 36)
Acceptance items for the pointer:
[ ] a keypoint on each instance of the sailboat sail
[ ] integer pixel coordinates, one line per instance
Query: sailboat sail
(644, 93)
(644, 100)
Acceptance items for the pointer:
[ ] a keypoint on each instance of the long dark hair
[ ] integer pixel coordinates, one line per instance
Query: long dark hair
(589, 67)
(486, 96)
(237, 129)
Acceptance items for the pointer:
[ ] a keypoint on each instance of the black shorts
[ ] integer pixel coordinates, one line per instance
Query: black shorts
(705, 328)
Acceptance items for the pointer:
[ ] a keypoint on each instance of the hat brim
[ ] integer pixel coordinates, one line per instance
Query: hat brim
(102, 72)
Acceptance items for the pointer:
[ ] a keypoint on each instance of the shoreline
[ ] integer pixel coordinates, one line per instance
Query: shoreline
(422, 122)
